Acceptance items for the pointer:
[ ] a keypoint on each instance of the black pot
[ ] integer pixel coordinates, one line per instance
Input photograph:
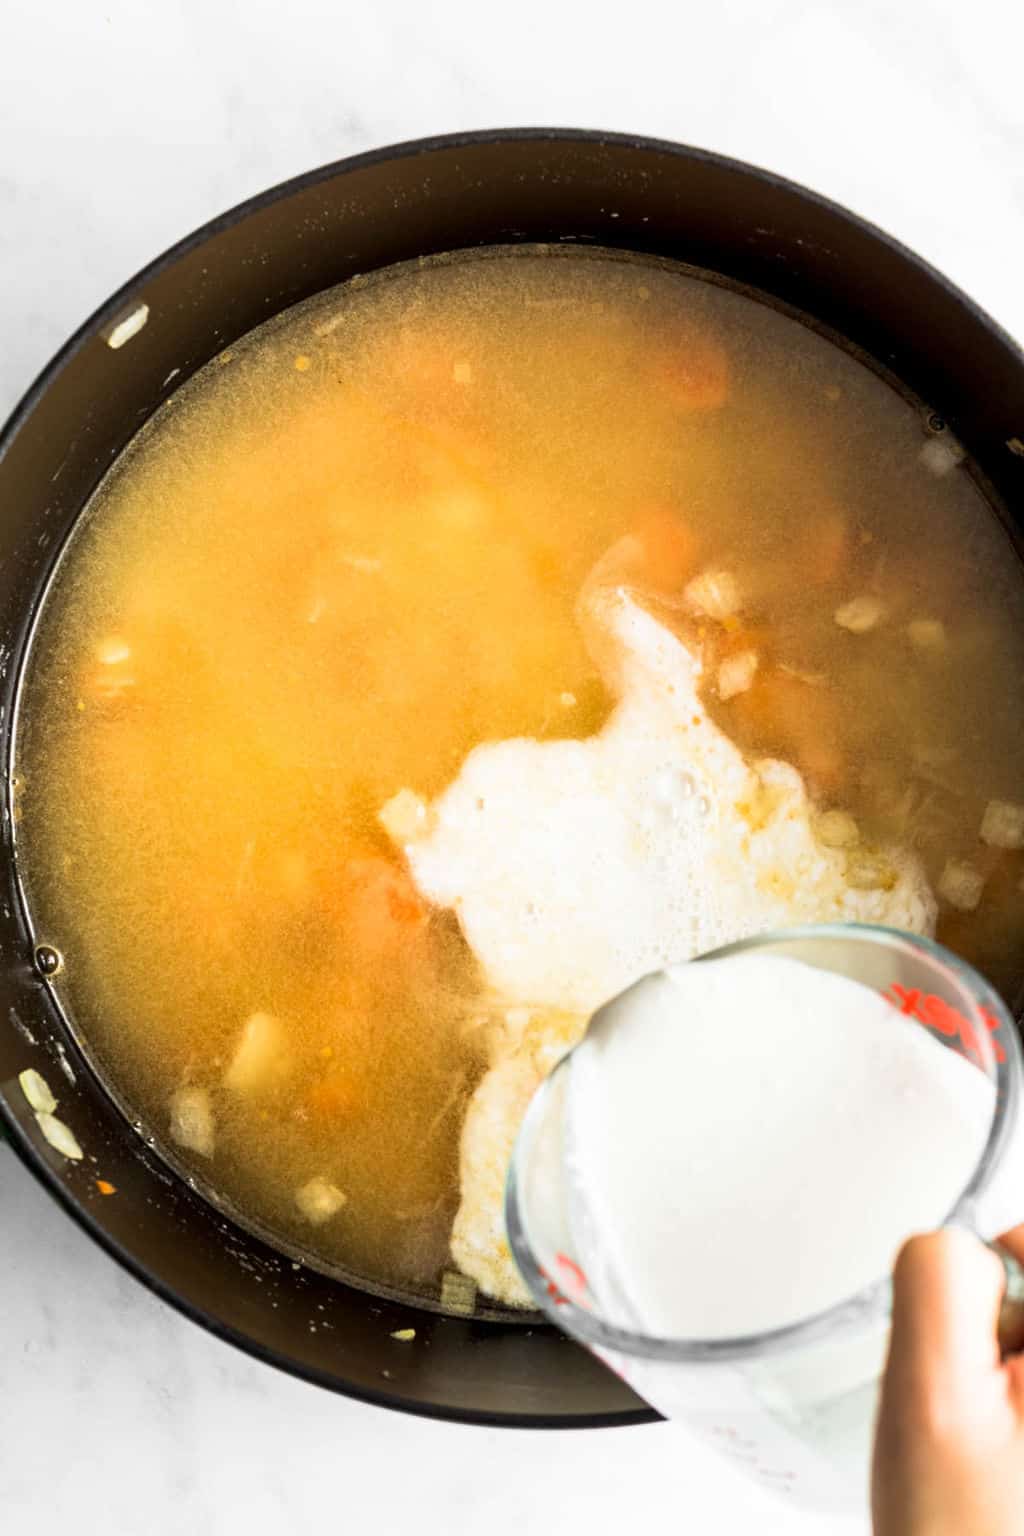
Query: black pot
(477, 189)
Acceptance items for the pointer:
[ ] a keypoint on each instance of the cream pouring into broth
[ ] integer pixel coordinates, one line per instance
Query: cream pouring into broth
(364, 542)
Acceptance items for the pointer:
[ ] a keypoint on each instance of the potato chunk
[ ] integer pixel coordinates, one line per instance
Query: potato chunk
(837, 829)
(319, 1200)
(736, 673)
(927, 635)
(961, 885)
(860, 614)
(715, 594)
(192, 1120)
(405, 816)
(259, 1055)
(1002, 825)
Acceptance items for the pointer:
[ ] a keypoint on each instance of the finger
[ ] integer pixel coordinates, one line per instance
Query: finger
(947, 1290)
(1013, 1242)
(1011, 1313)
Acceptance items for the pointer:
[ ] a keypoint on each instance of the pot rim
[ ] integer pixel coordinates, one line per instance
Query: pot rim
(471, 138)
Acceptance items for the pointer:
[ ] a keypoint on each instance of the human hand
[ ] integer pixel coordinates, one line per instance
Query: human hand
(949, 1445)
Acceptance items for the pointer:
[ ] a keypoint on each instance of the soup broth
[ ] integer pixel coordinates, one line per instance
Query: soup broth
(350, 550)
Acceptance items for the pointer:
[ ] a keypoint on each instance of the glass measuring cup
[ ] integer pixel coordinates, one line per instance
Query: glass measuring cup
(794, 1407)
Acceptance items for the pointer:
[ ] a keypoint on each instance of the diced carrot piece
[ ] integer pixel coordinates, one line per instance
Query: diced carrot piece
(404, 905)
(825, 547)
(694, 376)
(783, 716)
(428, 419)
(669, 549)
(658, 551)
(381, 907)
(425, 367)
(333, 1096)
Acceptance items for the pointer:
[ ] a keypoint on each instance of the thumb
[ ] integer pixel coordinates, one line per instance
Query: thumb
(947, 1291)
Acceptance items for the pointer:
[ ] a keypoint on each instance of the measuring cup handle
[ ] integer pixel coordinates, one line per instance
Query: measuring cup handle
(1010, 1327)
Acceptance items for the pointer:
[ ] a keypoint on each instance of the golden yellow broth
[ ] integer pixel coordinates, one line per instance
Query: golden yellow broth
(349, 550)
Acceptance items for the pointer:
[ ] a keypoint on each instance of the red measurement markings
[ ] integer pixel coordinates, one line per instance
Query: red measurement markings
(572, 1277)
(946, 1020)
(552, 1291)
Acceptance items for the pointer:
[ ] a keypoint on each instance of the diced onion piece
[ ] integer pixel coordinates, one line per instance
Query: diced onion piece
(715, 594)
(837, 829)
(1002, 825)
(37, 1091)
(405, 816)
(60, 1136)
(126, 326)
(368, 565)
(458, 1293)
(927, 635)
(258, 1055)
(112, 651)
(192, 1120)
(404, 1335)
(801, 675)
(113, 684)
(115, 676)
(517, 1022)
(736, 674)
(961, 885)
(941, 454)
(319, 1200)
(860, 614)
(869, 871)
(330, 324)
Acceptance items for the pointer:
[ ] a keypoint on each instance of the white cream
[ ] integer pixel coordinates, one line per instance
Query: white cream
(752, 1140)
(576, 867)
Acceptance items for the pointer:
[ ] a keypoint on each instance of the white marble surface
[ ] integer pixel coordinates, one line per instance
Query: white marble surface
(123, 123)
